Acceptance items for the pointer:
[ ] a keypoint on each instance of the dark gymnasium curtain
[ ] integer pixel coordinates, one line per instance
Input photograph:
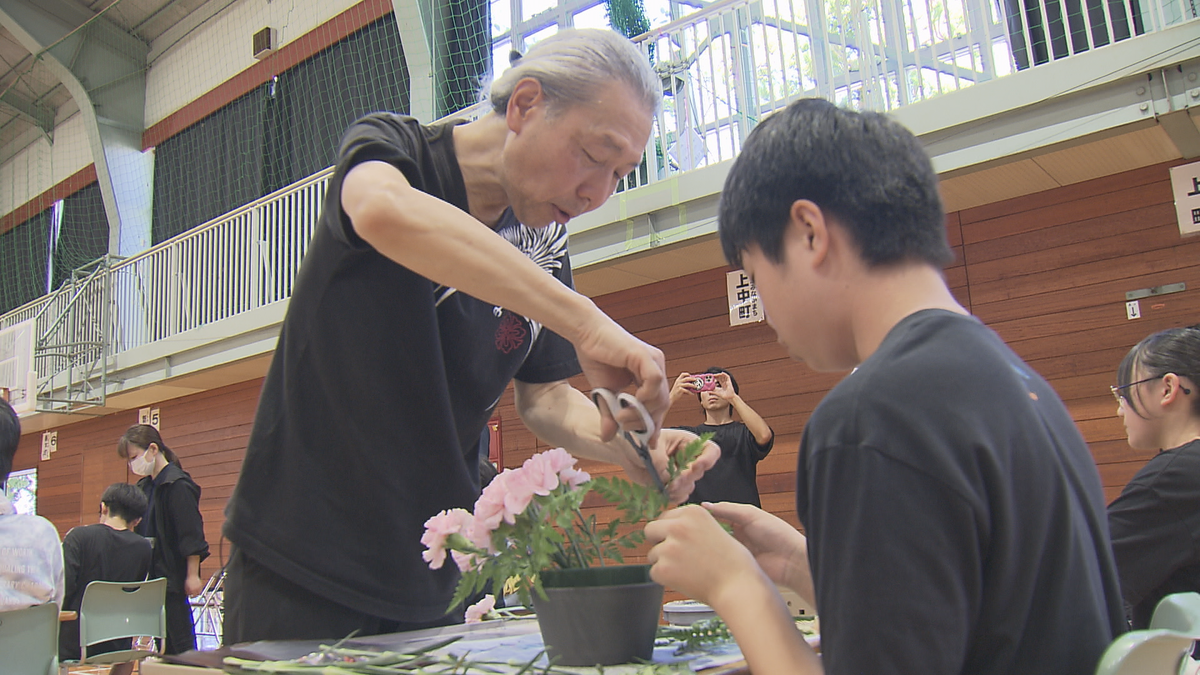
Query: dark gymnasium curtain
(82, 235)
(24, 255)
(284, 130)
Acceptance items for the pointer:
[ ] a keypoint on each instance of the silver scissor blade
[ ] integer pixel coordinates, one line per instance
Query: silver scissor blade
(644, 453)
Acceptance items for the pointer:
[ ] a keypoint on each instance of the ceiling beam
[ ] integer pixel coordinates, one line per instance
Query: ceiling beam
(31, 111)
(104, 69)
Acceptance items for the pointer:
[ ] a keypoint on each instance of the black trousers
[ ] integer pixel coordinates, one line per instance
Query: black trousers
(181, 631)
(261, 605)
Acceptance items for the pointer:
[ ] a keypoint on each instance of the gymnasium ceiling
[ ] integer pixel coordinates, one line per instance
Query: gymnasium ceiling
(32, 98)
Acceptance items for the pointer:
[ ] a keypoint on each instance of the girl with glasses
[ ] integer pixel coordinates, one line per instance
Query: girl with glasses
(1155, 522)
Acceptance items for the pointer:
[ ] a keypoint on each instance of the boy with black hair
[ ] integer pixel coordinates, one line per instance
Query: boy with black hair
(743, 443)
(106, 551)
(954, 516)
(31, 564)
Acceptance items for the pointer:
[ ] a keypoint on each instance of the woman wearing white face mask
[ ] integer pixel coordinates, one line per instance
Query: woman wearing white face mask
(174, 522)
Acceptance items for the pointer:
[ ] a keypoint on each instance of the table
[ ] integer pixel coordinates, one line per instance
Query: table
(502, 638)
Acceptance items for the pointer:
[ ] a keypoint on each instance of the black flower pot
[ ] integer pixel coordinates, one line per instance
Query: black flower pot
(599, 616)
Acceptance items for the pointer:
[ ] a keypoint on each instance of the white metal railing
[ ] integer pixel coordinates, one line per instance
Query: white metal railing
(726, 67)
(243, 260)
(723, 69)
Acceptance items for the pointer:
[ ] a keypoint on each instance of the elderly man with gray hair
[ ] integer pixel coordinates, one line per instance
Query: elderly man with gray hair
(437, 275)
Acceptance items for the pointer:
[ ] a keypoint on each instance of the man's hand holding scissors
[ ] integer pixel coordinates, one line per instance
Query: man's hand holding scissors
(652, 467)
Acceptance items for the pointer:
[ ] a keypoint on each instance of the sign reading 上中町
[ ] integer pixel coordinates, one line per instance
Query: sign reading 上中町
(1185, 183)
(744, 306)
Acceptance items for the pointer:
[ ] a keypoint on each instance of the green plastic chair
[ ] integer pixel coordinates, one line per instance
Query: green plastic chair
(1145, 652)
(120, 609)
(1179, 612)
(29, 640)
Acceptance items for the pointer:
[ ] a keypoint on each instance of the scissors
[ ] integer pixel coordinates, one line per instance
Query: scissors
(638, 438)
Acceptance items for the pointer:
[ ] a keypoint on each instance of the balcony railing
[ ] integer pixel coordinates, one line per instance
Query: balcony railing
(723, 69)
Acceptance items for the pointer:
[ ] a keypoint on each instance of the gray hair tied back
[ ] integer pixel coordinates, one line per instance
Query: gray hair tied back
(573, 64)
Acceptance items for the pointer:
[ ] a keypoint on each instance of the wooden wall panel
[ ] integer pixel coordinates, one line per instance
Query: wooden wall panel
(1047, 271)
(208, 431)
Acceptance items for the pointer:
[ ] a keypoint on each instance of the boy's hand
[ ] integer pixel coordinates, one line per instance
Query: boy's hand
(691, 553)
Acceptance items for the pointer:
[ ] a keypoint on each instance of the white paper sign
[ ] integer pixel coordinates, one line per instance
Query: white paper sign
(1185, 183)
(744, 306)
(49, 444)
(148, 416)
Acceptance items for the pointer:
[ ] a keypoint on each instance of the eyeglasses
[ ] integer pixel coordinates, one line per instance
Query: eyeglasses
(1116, 390)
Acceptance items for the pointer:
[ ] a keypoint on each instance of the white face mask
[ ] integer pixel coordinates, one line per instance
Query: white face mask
(143, 464)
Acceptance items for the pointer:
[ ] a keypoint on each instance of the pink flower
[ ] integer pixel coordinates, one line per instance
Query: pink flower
(489, 508)
(466, 562)
(477, 611)
(519, 494)
(541, 473)
(574, 477)
(437, 529)
(509, 494)
(562, 463)
(559, 459)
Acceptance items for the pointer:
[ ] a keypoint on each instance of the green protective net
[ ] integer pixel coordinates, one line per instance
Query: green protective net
(283, 126)
(275, 123)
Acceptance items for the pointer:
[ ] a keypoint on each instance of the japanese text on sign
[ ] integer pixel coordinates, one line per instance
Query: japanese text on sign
(744, 306)
(49, 444)
(1185, 184)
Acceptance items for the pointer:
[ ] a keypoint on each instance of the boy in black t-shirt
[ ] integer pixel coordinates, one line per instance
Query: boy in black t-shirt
(107, 551)
(954, 516)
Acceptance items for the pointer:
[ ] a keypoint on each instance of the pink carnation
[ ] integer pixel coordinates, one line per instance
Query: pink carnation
(559, 459)
(477, 611)
(509, 494)
(541, 473)
(437, 528)
(562, 463)
(489, 508)
(574, 477)
(466, 562)
(519, 491)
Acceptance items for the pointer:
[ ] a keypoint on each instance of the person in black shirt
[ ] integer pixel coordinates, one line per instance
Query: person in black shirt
(954, 520)
(437, 275)
(743, 444)
(1155, 522)
(174, 523)
(106, 551)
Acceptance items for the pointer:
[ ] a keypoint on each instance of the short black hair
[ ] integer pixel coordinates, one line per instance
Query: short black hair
(864, 170)
(10, 436)
(125, 501)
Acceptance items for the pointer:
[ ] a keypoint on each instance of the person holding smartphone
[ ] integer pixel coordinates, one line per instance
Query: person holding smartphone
(743, 444)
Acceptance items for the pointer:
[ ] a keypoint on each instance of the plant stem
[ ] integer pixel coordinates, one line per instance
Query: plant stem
(575, 547)
(595, 540)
